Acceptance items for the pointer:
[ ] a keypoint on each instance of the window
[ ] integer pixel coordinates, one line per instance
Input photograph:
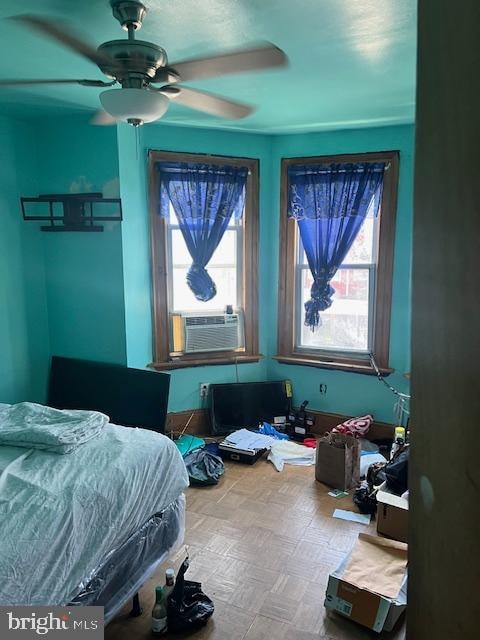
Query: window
(232, 267)
(225, 268)
(358, 321)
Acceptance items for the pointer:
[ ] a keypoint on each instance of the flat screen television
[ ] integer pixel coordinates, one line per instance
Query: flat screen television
(130, 397)
(244, 404)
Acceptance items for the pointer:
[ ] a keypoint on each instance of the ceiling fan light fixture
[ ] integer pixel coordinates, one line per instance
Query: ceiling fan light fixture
(134, 106)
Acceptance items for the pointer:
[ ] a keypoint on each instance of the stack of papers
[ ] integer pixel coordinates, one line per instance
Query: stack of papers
(244, 439)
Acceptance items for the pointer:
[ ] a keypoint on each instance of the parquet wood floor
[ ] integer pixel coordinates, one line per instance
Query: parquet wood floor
(262, 543)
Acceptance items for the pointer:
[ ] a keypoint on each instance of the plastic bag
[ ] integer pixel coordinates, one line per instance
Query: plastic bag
(188, 607)
(365, 499)
(203, 467)
(267, 430)
(396, 472)
(376, 474)
(365, 496)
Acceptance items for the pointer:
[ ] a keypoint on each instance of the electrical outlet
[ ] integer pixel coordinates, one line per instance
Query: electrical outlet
(323, 389)
(204, 389)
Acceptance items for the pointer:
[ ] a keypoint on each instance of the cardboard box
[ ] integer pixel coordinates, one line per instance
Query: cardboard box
(338, 461)
(370, 585)
(392, 516)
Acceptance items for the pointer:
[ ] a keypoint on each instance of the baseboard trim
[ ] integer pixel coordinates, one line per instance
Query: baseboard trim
(199, 423)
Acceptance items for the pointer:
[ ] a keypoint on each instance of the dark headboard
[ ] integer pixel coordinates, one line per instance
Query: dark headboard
(130, 397)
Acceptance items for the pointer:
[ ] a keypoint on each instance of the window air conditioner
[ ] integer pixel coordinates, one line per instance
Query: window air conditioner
(213, 333)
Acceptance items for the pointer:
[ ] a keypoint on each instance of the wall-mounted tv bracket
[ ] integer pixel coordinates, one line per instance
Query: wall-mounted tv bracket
(77, 211)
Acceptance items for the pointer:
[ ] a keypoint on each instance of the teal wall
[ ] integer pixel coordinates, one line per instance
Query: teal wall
(348, 393)
(24, 339)
(83, 270)
(97, 287)
(184, 388)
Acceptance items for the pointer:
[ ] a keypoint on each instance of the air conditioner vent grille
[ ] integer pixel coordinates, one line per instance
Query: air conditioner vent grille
(213, 333)
(204, 320)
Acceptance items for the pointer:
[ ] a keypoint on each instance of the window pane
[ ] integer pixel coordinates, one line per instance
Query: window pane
(361, 251)
(225, 253)
(180, 253)
(345, 323)
(225, 279)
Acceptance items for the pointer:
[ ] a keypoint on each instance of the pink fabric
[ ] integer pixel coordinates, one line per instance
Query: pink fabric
(356, 427)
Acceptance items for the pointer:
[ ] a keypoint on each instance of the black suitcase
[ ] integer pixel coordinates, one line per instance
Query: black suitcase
(246, 456)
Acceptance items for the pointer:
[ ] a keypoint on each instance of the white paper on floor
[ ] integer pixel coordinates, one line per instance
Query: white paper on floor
(285, 452)
(362, 518)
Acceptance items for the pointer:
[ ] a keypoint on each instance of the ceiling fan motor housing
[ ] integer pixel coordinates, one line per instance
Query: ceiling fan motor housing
(134, 56)
(129, 13)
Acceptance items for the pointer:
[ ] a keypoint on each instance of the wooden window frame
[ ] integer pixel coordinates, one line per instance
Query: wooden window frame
(158, 233)
(287, 352)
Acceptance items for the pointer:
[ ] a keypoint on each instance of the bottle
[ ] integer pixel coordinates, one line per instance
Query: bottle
(169, 584)
(159, 613)
(398, 441)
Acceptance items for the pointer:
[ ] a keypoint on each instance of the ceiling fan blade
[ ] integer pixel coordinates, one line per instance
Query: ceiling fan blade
(259, 57)
(102, 118)
(33, 81)
(208, 102)
(62, 34)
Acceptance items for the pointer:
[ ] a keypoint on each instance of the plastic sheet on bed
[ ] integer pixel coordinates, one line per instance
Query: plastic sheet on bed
(62, 515)
(127, 568)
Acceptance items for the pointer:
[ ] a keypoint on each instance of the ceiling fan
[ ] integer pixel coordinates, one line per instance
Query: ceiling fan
(138, 66)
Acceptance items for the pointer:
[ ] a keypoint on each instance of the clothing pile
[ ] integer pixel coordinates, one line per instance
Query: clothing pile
(204, 465)
(281, 450)
(356, 427)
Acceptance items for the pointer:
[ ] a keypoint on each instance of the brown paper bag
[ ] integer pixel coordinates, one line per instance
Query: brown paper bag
(377, 564)
(338, 461)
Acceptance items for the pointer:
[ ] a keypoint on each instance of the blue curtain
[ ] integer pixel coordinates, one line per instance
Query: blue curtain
(330, 203)
(204, 198)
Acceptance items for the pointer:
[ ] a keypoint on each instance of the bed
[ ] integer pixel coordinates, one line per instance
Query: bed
(89, 526)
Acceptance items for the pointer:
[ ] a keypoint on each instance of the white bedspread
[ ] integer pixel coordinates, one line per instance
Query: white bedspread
(60, 515)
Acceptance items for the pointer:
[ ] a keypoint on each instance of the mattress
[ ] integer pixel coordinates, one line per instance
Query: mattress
(62, 515)
(127, 568)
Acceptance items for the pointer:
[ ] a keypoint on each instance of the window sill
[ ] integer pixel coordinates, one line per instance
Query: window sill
(352, 367)
(204, 362)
